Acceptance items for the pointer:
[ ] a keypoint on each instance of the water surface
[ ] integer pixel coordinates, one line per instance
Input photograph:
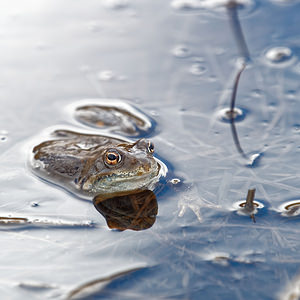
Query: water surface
(178, 66)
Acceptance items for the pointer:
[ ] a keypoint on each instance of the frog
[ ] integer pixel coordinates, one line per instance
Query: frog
(94, 164)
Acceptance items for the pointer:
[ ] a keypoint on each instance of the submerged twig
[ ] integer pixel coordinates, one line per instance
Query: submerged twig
(243, 49)
(237, 30)
(249, 205)
(232, 113)
(249, 200)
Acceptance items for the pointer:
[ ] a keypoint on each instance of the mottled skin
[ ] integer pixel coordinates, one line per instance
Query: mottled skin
(79, 161)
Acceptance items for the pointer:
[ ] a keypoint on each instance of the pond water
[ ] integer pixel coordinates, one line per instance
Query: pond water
(176, 61)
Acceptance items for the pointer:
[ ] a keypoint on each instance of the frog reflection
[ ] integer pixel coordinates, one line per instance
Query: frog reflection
(121, 118)
(136, 211)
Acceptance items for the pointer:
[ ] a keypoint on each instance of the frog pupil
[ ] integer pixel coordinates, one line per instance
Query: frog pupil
(112, 156)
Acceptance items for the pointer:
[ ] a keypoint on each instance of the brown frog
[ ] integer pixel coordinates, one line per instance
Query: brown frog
(96, 164)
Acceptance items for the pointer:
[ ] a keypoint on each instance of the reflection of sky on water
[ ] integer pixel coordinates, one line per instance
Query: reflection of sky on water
(178, 67)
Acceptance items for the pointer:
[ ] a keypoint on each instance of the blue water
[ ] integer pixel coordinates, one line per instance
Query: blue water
(54, 54)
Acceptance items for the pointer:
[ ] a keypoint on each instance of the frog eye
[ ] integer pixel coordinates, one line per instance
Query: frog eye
(112, 157)
(150, 147)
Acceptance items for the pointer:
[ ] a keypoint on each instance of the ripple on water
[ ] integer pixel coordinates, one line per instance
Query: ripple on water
(279, 57)
(225, 114)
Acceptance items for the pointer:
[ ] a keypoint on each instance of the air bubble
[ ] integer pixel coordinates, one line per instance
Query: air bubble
(257, 93)
(106, 75)
(290, 209)
(197, 69)
(37, 165)
(296, 128)
(3, 135)
(291, 94)
(175, 181)
(212, 78)
(154, 113)
(254, 160)
(225, 115)
(199, 59)
(181, 51)
(279, 56)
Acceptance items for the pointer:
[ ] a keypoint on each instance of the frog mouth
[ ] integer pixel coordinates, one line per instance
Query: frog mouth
(123, 181)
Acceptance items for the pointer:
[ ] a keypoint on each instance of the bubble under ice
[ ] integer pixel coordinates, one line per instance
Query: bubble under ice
(106, 75)
(181, 51)
(279, 56)
(197, 69)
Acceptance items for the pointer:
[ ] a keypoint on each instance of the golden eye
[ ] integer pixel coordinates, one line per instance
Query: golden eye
(150, 147)
(112, 157)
